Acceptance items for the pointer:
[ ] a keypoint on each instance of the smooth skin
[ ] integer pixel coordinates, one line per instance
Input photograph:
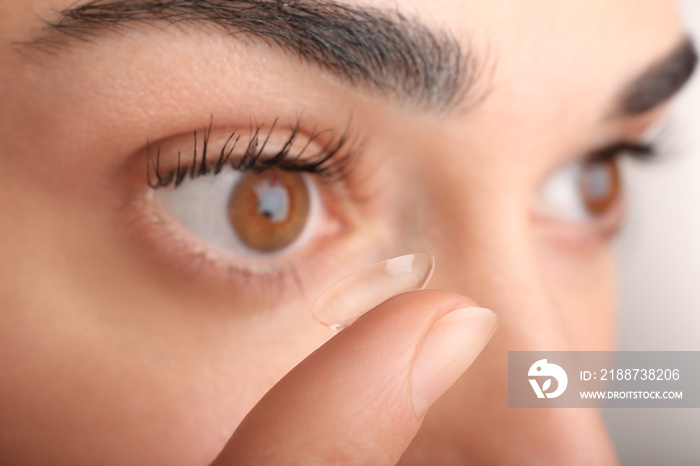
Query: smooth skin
(114, 349)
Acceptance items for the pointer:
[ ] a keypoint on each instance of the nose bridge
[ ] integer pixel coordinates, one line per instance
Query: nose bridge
(492, 258)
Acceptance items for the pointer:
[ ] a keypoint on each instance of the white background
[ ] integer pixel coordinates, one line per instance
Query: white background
(659, 257)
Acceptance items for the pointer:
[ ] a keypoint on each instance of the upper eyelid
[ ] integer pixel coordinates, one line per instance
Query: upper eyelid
(330, 159)
(654, 142)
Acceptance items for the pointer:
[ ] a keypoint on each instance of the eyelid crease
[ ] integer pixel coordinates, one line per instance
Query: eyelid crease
(333, 161)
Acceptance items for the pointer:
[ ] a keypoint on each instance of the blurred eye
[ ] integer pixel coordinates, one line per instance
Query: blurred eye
(581, 191)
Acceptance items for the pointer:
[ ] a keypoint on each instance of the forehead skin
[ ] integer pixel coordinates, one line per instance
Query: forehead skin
(535, 51)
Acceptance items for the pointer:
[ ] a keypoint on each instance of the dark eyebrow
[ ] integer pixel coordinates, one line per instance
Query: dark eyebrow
(364, 45)
(661, 81)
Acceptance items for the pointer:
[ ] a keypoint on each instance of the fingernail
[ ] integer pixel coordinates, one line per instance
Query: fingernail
(449, 348)
(341, 304)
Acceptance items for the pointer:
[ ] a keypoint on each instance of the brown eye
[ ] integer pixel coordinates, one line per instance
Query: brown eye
(269, 210)
(599, 185)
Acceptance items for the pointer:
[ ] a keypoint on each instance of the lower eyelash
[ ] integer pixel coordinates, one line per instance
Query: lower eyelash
(333, 162)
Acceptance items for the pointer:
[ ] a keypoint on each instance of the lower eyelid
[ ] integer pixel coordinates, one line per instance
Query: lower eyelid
(602, 230)
(188, 261)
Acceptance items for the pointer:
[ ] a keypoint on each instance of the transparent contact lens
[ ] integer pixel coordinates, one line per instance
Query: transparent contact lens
(341, 304)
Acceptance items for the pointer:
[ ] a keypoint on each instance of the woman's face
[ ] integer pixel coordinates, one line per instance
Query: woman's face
(150, 318)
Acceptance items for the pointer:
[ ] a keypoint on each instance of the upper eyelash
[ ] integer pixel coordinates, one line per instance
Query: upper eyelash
(639, 151)
(657, 148)
(325, 163)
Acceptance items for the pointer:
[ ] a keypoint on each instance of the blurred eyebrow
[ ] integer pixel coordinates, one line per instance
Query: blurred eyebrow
(362, 44)
(661, 81)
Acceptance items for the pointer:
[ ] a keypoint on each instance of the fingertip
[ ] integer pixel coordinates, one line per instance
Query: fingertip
(450, 346)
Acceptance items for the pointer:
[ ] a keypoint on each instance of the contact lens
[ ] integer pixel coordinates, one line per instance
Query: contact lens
(341, 304)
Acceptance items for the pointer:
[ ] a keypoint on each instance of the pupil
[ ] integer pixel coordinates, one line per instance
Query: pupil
(273, 201)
